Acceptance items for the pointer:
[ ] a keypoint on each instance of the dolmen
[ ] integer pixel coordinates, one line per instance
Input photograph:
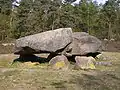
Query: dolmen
(62, 44)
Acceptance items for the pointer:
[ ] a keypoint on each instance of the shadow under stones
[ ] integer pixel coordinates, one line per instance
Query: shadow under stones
(32, 58)
(93, 54)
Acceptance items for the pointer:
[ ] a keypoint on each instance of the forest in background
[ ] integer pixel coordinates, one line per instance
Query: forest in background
(34, 16)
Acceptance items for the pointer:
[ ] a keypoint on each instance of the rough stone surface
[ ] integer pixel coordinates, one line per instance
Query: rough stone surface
(49, 41)
(83, 43)
(83, 62)
(59, 62)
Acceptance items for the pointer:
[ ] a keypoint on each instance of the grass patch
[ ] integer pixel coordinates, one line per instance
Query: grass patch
(34, 76)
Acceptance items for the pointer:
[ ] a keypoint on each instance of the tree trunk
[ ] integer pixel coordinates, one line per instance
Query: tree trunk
(110, 31)
(53, 25)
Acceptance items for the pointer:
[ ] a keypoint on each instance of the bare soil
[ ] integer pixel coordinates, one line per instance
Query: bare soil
(111, 46)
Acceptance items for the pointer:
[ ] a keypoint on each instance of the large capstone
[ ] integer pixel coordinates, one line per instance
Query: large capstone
(49, 41)
(84, 44)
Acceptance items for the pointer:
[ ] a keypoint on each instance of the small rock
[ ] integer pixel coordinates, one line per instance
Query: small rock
(102, 63)
(103, 57)
(83, 62)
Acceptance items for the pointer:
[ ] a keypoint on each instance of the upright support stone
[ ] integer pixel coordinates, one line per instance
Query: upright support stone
(83, 62)
(59, 62)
